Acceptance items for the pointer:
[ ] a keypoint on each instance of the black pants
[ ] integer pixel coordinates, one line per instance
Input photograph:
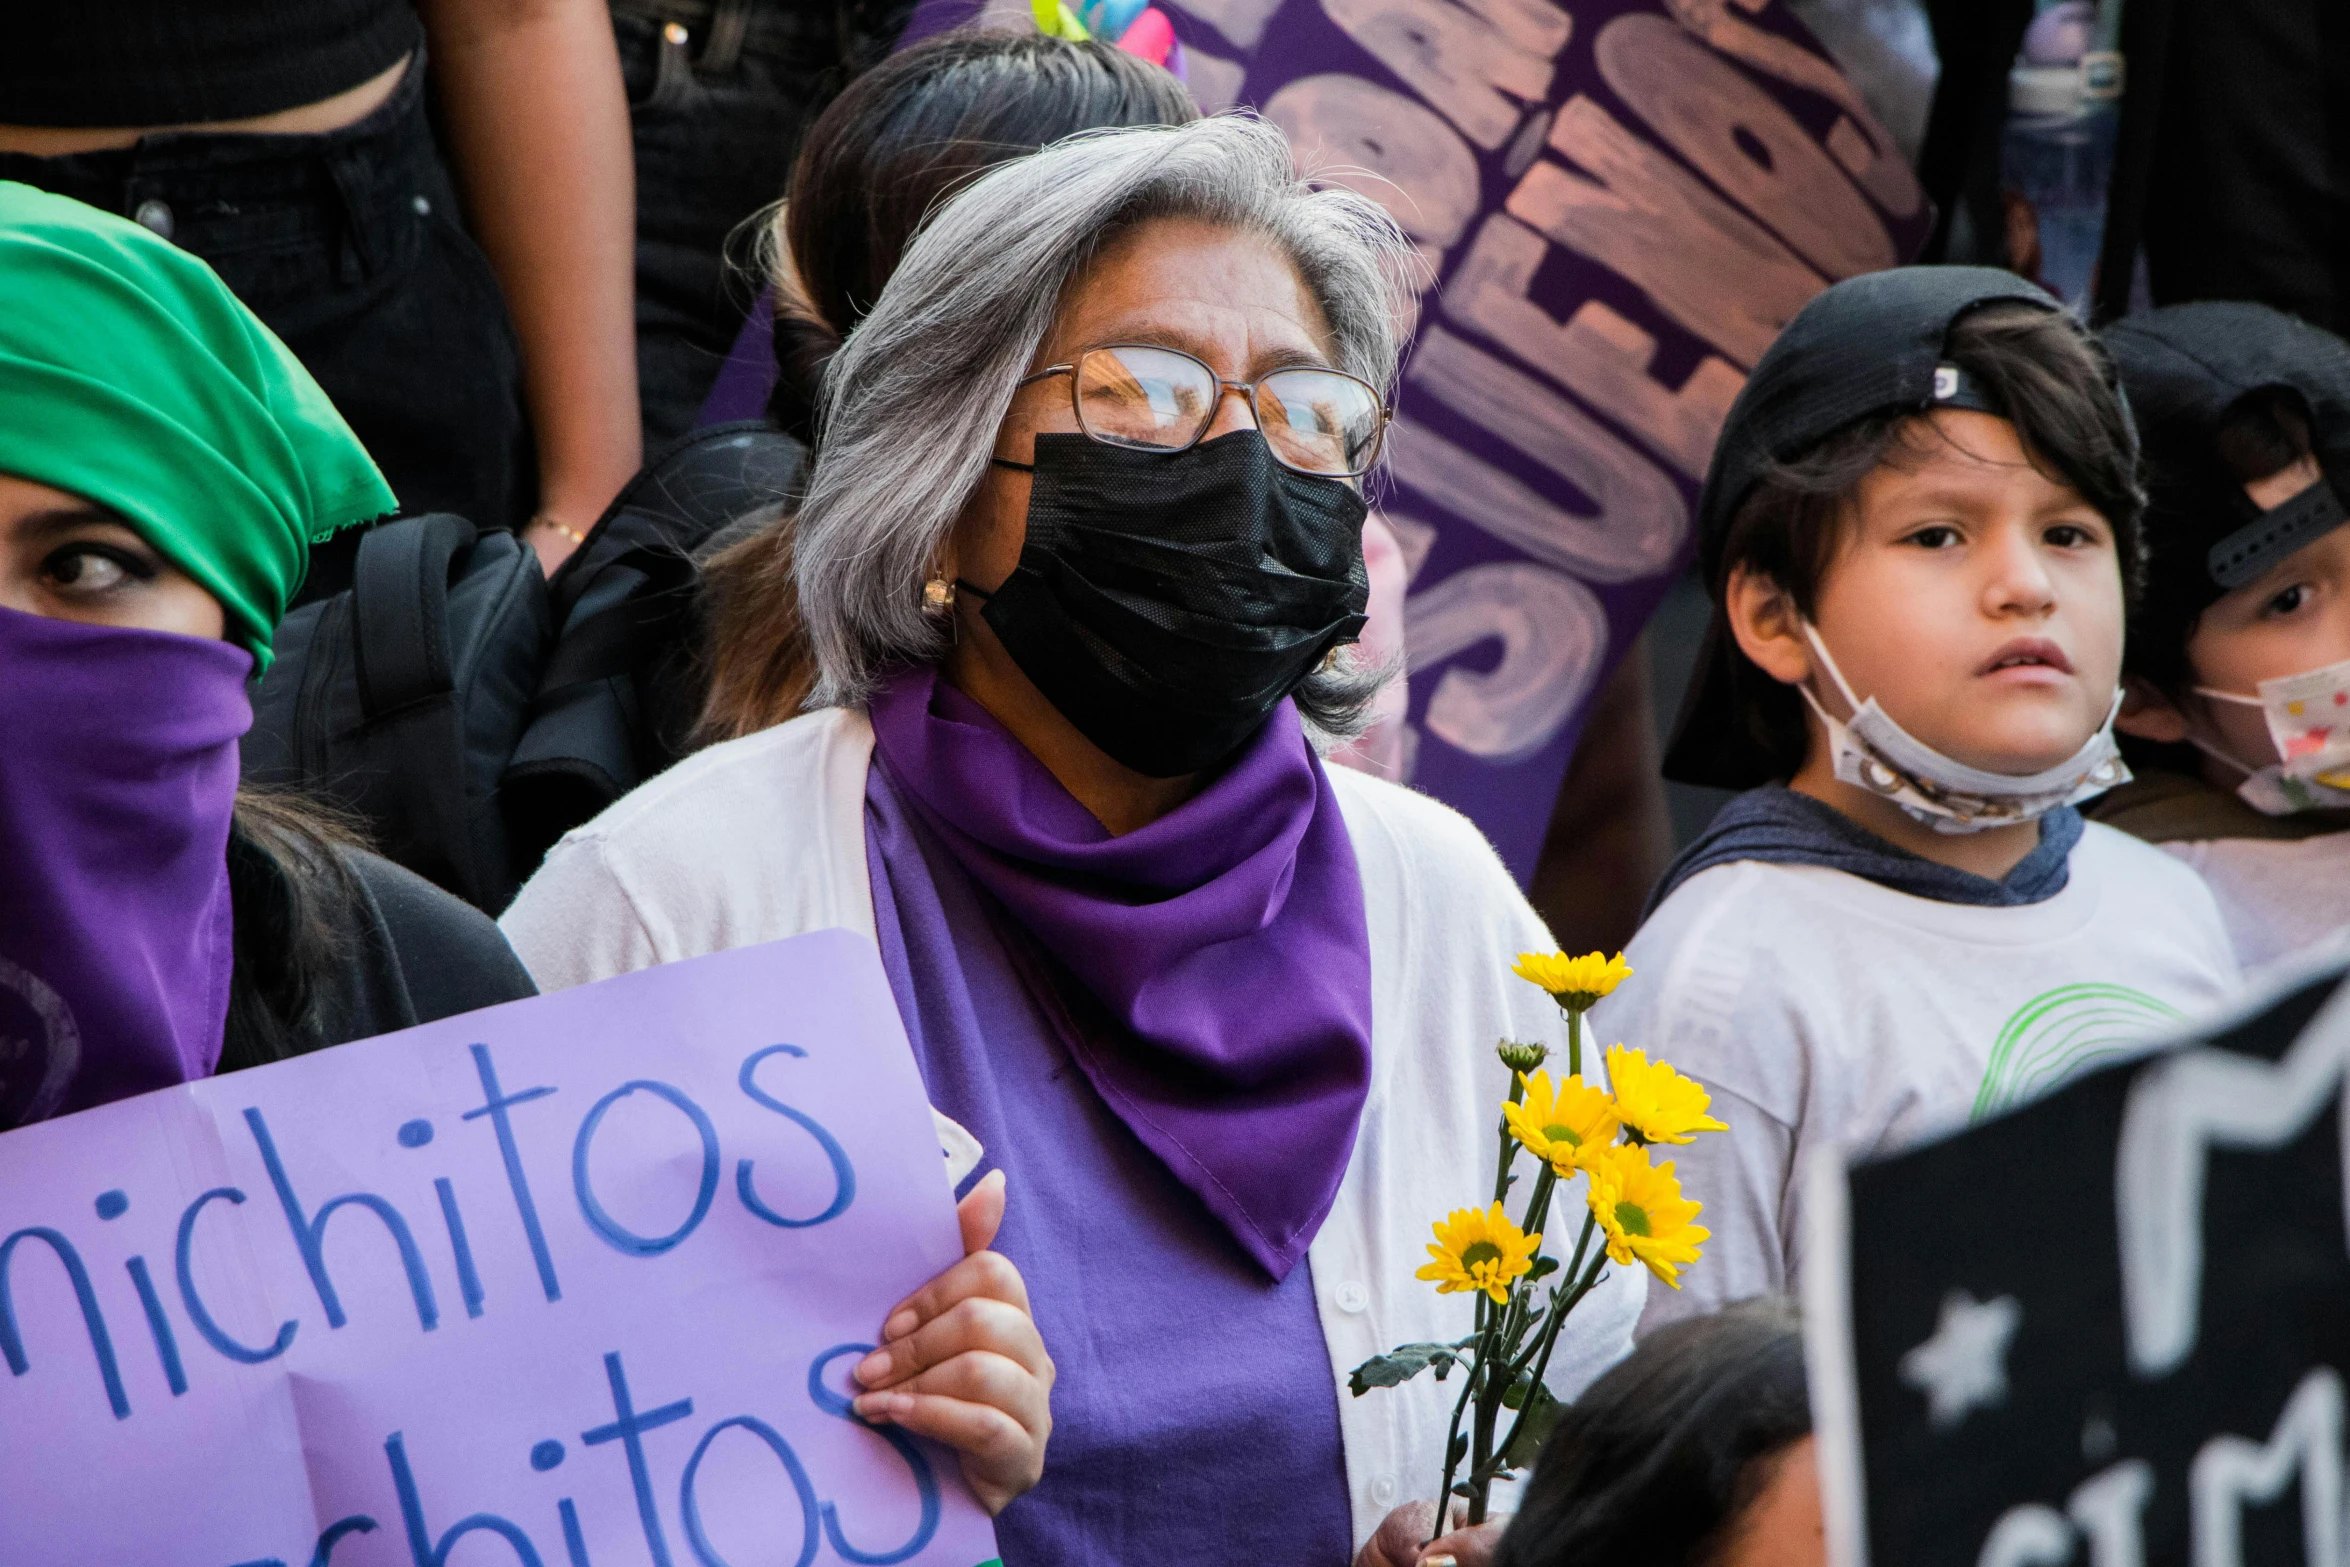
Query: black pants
(349, 245)
(720, 93)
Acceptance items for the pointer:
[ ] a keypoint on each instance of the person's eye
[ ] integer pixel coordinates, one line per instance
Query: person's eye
(2071, 536)
(87, 571)
(2290, 601)
(1935, 536)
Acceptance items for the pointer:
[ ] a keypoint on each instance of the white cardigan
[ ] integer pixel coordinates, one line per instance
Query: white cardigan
(764, 837)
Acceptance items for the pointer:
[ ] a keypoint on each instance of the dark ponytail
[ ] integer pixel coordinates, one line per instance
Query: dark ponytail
(904, 136)
(900, 140)
(296, 904)
(1660, 1459)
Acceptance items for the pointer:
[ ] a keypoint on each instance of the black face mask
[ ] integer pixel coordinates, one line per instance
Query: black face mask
(1166, 602)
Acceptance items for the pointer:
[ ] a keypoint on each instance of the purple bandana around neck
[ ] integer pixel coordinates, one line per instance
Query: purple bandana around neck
(1226, 940)
(118, 771)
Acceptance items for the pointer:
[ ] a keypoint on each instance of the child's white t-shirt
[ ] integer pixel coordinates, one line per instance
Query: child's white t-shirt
(1819, 1007)
(2277, 896)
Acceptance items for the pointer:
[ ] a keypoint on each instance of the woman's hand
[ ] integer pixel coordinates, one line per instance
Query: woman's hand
(960, 1362)
(1397, 1541)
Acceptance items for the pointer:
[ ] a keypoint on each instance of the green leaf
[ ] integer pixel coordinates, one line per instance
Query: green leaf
(1534, 1427)
(1400, 1366)
(1460, 1448)
(1543, 1268)
(1516, 1395)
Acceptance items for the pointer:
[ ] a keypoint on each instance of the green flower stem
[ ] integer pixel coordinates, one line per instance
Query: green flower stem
(1583, 1242)
(1489, 1406)
(1470, 1382)
(1538, 1210)
(1574, 1040)
(1493, 1384)
(1509, 1150)
(1549, 1340)
(1559, 1302)
(1520, 1311)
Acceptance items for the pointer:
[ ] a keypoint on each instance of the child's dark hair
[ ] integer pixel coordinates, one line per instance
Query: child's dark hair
(2265, 433)
(1659, 1461)
(2056, 385)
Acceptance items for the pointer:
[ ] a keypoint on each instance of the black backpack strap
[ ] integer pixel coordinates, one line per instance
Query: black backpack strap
(412, 726)
(400, 626)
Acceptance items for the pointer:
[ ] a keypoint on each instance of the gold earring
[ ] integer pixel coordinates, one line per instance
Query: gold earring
(938, 597)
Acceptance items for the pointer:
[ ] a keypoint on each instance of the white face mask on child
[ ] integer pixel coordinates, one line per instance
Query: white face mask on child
(2309, 723)
(1874, 753)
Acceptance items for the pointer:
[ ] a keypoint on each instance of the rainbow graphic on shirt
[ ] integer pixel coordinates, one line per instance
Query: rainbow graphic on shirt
(2058, 1036)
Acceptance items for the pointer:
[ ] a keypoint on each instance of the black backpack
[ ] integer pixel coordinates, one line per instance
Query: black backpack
(469, 711)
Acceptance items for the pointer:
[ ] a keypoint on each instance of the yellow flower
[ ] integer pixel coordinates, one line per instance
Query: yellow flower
(1479, 1249)
(1658, 1104)
(1642, 1211)
(1574, 983)
(1565, 1125)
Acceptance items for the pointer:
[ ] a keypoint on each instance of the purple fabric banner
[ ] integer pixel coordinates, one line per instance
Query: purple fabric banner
(583, 1274)
(1619, 205)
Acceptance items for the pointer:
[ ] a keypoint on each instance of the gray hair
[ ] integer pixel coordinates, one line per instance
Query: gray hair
(914, 399)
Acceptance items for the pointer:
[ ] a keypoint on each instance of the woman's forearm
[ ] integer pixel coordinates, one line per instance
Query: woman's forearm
(537, 119)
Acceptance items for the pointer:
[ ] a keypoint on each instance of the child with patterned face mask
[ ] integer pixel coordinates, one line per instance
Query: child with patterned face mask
(2239, 666)
(1918, 530)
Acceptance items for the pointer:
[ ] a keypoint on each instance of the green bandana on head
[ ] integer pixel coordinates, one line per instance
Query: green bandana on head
(130, 376)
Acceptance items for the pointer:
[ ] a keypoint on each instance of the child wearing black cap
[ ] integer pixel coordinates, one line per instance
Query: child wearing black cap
(2239, 650)
(1918, 530)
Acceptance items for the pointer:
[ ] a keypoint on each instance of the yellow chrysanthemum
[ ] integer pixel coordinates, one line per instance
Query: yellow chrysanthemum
(1644, 1215)
(1563, 1125)
(1574, 983)
(1479, 1249)
(1658, 1104)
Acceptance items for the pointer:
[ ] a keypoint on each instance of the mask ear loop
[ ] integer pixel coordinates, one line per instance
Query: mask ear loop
(2213, 751)
(1843, 687)
(2220, 756)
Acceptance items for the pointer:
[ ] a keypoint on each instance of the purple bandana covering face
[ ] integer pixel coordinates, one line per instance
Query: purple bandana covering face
(1226, 942)
(118, 770)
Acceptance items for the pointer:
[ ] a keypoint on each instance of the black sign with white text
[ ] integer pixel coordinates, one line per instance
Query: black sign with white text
(2111, 1328)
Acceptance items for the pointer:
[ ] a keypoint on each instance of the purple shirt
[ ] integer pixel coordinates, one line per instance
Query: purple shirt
(1196, 1413)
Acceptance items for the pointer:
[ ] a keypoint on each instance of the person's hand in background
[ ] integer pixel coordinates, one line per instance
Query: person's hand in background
(1396, 1543)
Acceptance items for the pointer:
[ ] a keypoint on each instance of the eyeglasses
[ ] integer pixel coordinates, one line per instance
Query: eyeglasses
(1321, 422)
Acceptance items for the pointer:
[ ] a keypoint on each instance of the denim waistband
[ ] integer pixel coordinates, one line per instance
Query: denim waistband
(222, 193)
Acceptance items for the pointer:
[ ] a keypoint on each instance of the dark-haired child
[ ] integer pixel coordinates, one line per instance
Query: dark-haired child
(1917, 531)
(2239, 650)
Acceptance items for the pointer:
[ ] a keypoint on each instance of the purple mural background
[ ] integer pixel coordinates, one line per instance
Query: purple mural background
(1619, 204)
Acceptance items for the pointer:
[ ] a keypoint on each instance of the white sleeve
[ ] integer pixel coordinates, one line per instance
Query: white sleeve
(574, 922)
(1744, 1178)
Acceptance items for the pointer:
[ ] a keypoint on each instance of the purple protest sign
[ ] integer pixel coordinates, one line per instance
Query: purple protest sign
(577, 1278)
(1619, 205)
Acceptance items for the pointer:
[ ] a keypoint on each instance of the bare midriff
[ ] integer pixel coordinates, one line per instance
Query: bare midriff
(347, 107)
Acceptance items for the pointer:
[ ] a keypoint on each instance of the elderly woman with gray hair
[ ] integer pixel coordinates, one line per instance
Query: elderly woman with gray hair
(1080, 559)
